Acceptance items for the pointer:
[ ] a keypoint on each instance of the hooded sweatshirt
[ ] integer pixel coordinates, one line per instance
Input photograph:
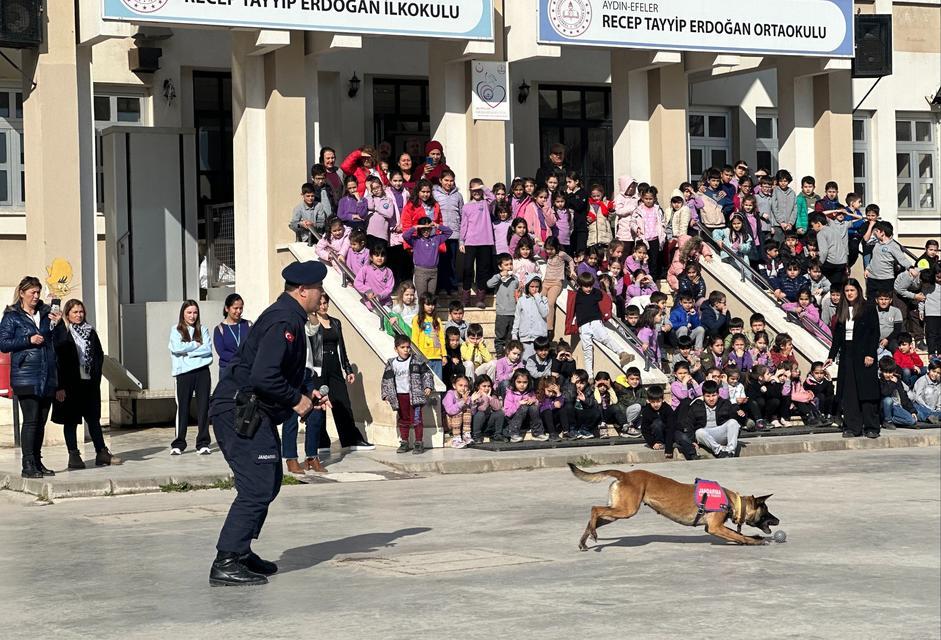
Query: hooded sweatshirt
(529, 320)
(783, 206)
(625, 208)
(450, 202)
(681, 218)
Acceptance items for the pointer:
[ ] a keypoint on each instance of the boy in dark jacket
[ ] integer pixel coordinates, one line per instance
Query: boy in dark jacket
(897, 407)
(788, 286)
(658, 427)
(714, 316)
(713, 420)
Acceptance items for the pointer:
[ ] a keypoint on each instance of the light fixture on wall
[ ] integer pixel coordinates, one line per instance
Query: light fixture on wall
(523, 92)
(354, 86)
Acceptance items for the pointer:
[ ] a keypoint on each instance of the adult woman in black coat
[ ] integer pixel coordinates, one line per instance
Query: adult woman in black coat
(855, 341)
(328, 353)
(79, 358)
(26, 334)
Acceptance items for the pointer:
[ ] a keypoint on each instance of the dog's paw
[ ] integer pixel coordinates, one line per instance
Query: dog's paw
(582, 547)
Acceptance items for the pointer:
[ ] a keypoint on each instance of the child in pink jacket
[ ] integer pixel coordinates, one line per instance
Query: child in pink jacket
(333, 245)
(375, 280)
(807, 311)
(625, 208)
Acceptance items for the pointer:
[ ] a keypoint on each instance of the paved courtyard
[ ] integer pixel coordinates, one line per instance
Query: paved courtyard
(493, 556)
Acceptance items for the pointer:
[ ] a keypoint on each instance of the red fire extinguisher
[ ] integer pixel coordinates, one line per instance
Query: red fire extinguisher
(5, 390)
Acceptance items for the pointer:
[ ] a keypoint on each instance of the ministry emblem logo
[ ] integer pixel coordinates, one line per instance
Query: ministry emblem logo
(145, 6)
(570, 18)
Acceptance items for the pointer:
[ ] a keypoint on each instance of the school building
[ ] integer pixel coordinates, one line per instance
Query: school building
(145, 141)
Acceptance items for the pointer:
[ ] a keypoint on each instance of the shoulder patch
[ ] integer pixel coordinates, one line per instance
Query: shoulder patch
(289, 336)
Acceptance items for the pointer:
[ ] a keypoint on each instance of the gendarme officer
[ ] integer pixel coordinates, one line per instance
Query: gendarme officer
(260, 389)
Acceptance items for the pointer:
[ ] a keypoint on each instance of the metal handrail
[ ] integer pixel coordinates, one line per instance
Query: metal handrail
(348, 276)
(628, 335)
(756, 277)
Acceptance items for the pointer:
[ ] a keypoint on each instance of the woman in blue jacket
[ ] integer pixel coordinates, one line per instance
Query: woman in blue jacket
(191, 354)
(26, 334)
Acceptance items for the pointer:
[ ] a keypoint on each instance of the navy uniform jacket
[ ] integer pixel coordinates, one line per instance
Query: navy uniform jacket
(271, 362)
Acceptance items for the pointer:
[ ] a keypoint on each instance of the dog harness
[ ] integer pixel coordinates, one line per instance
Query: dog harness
(709, 497)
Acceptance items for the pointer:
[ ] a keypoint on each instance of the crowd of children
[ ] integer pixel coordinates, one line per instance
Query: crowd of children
(526, 244)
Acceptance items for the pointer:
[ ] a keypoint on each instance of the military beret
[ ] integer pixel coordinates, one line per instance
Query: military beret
(310, 272)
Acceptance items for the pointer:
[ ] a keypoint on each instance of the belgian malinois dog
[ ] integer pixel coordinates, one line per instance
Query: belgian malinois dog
(676, 501)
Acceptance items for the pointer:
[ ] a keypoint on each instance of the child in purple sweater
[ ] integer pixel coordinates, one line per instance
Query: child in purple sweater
(375, 280)
(458, 410)
(477, 242)
(648, 330)
(563, 221)
(684, 387)
(425, 238)
(357, 255)
(348, 210)
(520, 407)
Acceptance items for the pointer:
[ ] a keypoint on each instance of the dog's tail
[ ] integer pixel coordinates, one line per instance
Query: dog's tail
(598, 476)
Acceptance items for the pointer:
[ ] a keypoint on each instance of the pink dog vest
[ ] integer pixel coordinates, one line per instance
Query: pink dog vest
(710, 496)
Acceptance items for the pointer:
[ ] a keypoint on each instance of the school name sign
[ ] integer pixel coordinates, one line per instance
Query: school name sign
(785, 27)
(462, 19)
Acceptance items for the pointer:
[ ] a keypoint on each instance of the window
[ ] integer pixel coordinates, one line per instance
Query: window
(861, 158)
(709, 144)
(401, 116)
(766, 142)
(12, 173)
(579, 118)
(916, 163)
(111, 110)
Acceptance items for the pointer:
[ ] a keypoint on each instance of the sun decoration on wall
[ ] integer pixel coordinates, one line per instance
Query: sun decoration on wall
(60, 278)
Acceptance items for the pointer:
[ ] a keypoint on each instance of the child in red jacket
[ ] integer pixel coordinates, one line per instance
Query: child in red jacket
(910, 363)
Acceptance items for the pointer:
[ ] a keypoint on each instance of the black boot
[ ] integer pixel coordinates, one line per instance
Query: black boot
(228, 571)
(253, 563)
(75, 460)
(30, 470)
(43, 469)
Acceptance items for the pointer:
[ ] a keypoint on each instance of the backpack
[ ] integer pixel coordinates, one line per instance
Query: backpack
(711, 215)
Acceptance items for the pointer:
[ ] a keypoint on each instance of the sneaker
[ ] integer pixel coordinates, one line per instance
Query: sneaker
(554, 437)
(749, 425)
(419, 448)
(775, 424)
(888, 425)
(363, 445)
(761, 425)
(499, 438)
(541, 437)
(934, 419)
(720, 453)
(586, 435)
(633, 432)
(516, 438)
(404, 447)
(872, 434)
(468, 439)
(785, 423)
(203, 451)
(323, 451)
(457, 443)
(848, 434)
(176, 451)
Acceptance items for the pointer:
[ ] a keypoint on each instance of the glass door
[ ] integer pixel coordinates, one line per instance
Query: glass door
(579, 118)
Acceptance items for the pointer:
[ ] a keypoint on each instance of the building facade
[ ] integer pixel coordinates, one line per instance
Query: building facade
(258, 101)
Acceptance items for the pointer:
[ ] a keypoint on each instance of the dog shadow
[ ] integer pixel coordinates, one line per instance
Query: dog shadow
(311, 555)
(640, 541)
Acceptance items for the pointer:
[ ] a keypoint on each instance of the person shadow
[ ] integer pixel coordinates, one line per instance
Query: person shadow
(640, 541)
(310, 555)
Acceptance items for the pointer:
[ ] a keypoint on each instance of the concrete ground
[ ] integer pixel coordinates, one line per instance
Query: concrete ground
(493, 556)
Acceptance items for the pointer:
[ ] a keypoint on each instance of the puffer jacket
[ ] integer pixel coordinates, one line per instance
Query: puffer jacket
(33, 370)
(625, 208)
(529, 320)
(419, 377)
(599, 227)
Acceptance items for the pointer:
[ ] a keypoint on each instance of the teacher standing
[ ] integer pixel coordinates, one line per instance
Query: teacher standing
(26, 334)
(855, 341)
(328, 353)
(79, 358)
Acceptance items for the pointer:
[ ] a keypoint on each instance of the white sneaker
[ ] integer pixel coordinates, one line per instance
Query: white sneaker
(785, 422)
(516, 438)
(541, 438)
(176, 451)
(776, 423)
(204, 451)
(457, 442)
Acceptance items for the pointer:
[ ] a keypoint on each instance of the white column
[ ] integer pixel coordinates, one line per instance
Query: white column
(795, 119)
(312, 95)
(250, 170)
(630, 118)
(448, 104)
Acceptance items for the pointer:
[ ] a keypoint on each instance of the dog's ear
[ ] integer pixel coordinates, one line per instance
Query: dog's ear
(762, 499)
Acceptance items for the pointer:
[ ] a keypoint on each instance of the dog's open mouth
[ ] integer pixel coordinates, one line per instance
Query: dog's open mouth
(766, 524)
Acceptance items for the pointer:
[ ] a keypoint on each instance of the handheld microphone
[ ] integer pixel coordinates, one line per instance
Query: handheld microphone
(324, 392)
(56, 307)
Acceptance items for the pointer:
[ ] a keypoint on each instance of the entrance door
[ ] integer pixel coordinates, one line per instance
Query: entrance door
(401, 120)
(579, 118)
(709, 142)
(212, 119)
